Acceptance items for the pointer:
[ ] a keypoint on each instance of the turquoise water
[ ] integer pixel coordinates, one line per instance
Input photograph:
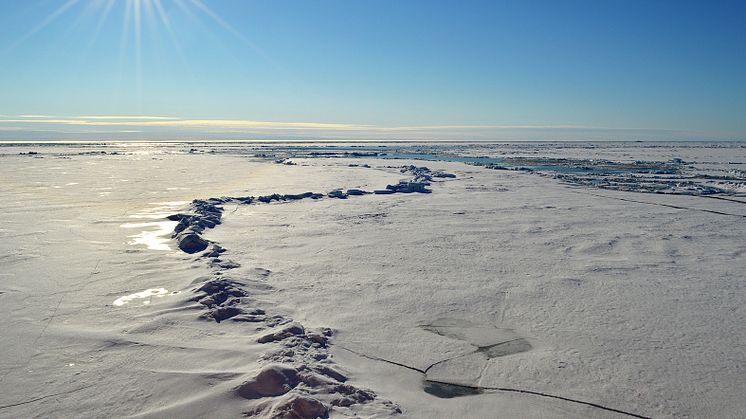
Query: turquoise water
(442, 157)
(498, 161)
(401, 153)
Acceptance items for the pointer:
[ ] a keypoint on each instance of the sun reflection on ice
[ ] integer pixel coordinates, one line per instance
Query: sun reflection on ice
(143, 295)
(154, 239)
(156, 234)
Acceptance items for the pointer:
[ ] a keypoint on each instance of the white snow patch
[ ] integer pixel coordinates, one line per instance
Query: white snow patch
(149, 294)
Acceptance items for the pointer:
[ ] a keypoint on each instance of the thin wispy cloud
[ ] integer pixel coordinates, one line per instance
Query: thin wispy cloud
(113, 127)
(131, 118)
(175, 122)
(487, 126)
(163, 121)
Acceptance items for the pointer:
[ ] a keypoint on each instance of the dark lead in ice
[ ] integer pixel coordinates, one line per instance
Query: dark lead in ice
(449, 391)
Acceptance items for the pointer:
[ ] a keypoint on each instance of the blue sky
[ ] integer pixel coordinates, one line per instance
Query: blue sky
(359, 69)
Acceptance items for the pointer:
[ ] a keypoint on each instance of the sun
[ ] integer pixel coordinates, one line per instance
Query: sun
(137, 17)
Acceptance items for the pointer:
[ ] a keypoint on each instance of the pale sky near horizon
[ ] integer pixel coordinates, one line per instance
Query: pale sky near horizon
(387, 69)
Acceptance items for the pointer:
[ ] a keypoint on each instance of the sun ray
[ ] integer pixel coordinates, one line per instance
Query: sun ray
(233, 31)
(88, 9)
(123, 43)
(102, 19)
(150, 19)
(197, 20)
(189, 13)
(43, 24)
(142, 22)
(225, 25)
(161, 12)
(137, 12)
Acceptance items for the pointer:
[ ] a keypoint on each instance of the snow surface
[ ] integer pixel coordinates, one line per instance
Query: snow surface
(530, 297)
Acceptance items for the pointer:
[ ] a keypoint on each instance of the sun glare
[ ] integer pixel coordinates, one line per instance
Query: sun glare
(137, 17)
